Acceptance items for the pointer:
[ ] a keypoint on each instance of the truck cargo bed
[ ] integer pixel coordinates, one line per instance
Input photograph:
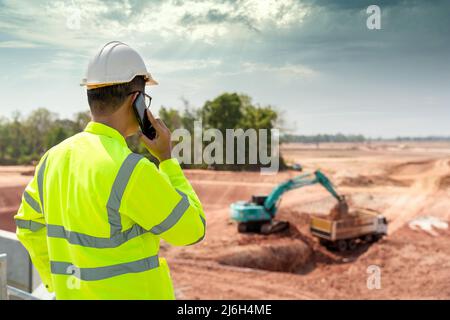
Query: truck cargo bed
(356, 224)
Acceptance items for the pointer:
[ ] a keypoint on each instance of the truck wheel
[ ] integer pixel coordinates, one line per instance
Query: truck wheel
(377, 237)
(266, 228)
(352, 244)
(242, 228)
(342, 245)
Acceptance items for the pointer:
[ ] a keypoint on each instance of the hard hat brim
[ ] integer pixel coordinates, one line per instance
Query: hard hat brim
(149, 81)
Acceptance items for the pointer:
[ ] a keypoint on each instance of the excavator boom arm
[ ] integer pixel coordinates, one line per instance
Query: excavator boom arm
(299, 182)
(326, 183)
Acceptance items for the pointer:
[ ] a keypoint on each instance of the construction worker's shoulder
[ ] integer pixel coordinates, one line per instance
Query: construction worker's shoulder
(58, 147)
(66, 142)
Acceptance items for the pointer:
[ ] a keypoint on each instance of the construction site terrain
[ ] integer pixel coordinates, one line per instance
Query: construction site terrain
(408, 183)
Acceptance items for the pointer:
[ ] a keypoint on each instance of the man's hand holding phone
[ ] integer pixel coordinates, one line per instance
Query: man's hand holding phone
(161, 145)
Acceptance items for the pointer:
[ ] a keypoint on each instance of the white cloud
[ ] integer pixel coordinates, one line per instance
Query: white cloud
(287, 69)
(206, 21)
(17, 44)
(169, 66)
(280, 13)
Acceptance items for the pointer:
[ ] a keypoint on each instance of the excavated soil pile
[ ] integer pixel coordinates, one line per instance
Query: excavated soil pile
(9, 203)
(444, 183)
(28, 173)
(223, 194)
(236, 177)
(411, 167)
(285, 255)
(368, 181)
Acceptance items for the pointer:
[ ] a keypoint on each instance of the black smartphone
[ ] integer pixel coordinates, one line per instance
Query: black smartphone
(141, 115)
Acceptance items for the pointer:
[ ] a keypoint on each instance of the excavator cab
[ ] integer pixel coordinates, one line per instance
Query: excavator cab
(259, 200)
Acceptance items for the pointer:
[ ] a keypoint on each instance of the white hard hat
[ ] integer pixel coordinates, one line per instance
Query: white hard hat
(115, 63)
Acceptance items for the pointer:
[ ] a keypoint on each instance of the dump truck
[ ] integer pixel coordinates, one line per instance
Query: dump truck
(345, 232)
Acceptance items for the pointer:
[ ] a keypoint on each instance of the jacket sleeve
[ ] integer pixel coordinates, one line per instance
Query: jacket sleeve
(32, 231)
(164, 202)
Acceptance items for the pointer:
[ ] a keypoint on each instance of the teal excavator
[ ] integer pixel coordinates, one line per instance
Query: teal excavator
(258, 214)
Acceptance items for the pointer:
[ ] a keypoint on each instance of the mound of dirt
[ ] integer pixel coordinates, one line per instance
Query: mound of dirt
(238, 176)
(10, 196)
(28, 173)
(412, 167)
(7, 219)
(367, 181)
(9, 203)
(223, 193)
(444, 183)
(285, 255)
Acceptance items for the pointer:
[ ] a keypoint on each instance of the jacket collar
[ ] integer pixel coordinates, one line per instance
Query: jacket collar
(104, 130)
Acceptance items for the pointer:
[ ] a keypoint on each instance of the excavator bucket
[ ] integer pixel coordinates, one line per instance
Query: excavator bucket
(340, 210)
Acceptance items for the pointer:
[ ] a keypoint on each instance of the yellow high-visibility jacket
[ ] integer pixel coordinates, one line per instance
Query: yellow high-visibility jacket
(93, 215)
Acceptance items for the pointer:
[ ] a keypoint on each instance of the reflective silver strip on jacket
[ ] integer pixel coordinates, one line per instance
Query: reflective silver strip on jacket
(204, 232)
(30, 225)
(117, 190)
(174, 216)
(100, 273)
(40, 181)
(31, 202)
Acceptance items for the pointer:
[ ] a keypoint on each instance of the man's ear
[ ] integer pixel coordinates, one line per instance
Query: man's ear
(134, 97)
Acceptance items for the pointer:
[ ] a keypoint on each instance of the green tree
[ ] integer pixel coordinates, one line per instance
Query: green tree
(171, 118)
(224, 112)
(37, 126)
(81, 120)
(4, 138)
(17, 143)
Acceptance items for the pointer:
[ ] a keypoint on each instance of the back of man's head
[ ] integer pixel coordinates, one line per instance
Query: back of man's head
(106, 100)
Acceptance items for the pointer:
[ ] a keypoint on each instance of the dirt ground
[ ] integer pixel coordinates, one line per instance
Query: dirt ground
(402, 181)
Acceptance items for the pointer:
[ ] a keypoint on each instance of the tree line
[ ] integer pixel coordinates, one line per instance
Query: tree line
(24, 139)
(339, 137)
(322, 138)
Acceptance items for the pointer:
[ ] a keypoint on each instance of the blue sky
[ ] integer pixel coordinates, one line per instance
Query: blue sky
(314, 60)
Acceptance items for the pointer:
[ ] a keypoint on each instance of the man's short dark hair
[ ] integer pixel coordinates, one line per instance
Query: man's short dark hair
(106, 100)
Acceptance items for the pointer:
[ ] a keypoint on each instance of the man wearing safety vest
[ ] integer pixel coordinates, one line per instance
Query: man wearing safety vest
(94, 213)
